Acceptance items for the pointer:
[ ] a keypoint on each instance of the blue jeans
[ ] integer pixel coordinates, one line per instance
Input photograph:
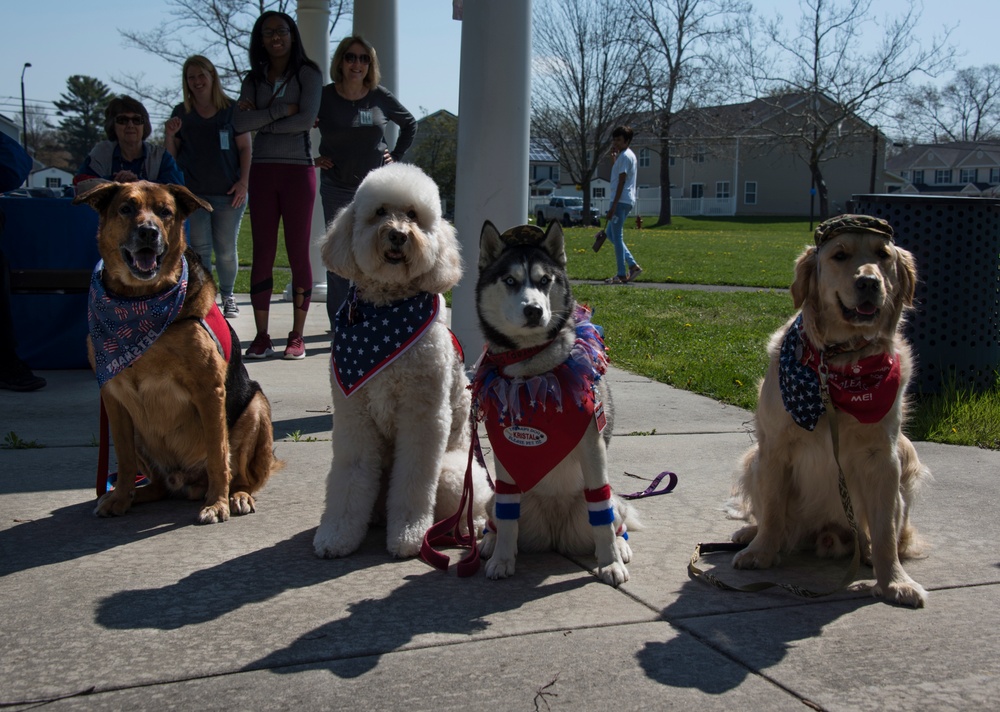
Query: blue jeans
(217, 230)
(614, 229)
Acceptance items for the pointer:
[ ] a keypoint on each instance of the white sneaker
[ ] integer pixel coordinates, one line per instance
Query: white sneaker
(230, 309)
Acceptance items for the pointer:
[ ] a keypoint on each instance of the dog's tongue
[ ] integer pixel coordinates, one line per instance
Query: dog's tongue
(145, 260)
(867, 308)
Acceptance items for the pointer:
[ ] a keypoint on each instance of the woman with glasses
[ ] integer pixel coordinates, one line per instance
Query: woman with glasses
(353, 114)
(216, 164)
(126, 156)
(279, 100)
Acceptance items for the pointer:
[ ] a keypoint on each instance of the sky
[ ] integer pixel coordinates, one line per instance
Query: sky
(64, 37)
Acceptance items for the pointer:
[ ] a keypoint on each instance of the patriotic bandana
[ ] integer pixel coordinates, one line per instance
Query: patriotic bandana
(533, 423)
(367, 338)
(865, 390)
(122, 328)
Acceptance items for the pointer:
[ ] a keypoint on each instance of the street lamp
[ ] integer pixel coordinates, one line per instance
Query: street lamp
(24, 112)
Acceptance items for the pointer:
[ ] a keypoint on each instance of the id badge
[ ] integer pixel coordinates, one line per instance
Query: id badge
(599, 417)
(224, 140)
(365, 117)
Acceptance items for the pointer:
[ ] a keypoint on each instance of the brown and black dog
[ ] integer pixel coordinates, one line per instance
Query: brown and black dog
(191, 421)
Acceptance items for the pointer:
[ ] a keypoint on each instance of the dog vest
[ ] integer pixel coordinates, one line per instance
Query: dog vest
(218, 328)
(534, 422)
(123, 328)
(866, 389)
(367, 338)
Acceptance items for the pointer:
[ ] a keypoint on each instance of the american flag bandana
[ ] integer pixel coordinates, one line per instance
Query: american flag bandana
(367, 338)
(866, 389)
(122, 328)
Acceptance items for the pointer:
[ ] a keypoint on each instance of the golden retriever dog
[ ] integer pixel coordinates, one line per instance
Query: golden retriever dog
(179, 412)
(852, 288)
(401, 404)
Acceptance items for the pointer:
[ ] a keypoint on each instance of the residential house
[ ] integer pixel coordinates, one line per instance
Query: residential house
(959, 168)
(49, 177)
(9, 127)
(544, 173)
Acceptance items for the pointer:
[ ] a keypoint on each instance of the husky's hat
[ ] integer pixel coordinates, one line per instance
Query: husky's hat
(530, 235)
(852, 223)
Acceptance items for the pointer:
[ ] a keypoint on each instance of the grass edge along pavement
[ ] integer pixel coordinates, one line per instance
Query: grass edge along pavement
(711, 343)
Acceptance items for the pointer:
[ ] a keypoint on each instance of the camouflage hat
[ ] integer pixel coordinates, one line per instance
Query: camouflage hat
(852, 223)
(523, 235)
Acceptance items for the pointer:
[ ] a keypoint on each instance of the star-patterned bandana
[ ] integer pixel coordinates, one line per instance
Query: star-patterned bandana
(534, 423)
(866, 389)
(122, 328)
(367, 338)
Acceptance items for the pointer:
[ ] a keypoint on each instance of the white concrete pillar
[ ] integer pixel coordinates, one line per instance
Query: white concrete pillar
(377, 21)
(313, 20)
(494, 104)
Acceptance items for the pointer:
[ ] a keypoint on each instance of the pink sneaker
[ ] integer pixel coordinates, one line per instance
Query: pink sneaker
(260, 348)
(295, 349)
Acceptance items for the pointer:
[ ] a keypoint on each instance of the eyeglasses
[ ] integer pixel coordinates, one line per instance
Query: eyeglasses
(124, 120)
(280, 32)
(352, 58)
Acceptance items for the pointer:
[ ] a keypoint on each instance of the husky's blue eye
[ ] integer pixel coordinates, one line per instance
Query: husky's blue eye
(544, 281)
(510, 281)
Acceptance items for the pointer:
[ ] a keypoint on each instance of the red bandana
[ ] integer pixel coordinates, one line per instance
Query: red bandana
(534, 423)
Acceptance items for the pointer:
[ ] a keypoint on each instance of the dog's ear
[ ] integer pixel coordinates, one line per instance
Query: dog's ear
(490, 244)
(906, 276)
(555, 243)
(187, 202)
(805, 277)
(447, 269)
(100, 197)
(336, 250)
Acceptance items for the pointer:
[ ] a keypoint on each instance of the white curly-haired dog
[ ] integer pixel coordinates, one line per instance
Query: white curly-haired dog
(400, 399)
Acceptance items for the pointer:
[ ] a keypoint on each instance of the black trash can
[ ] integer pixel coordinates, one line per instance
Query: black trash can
(956, 243)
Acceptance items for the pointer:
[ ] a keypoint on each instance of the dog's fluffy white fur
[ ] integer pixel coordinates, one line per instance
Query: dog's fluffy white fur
(788, 486)
(406, 432)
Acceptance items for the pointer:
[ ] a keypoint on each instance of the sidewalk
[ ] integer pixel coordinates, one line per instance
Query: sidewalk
(150, 611)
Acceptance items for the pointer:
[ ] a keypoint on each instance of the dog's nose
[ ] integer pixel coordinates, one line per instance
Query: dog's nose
(397, 238)
(867, 285)
(532, 314)
(147, 234)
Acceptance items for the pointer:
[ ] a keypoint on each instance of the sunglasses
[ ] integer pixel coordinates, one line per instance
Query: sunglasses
(123, 120)
(352, 58)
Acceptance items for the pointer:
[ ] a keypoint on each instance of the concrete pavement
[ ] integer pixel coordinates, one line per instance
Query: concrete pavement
(152, 611)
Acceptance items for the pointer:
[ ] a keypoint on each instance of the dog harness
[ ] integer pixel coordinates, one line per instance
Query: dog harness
(218, 329)
(367, 338)
(866, 389)
(122, 328)
(534, 422)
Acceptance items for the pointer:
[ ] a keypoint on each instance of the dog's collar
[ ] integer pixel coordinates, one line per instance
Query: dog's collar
(508, 358)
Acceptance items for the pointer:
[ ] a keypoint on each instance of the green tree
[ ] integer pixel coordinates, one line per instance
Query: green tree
(82, 108)
(435, 149)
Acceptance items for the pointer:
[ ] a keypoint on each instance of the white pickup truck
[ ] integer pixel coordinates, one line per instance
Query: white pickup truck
(567, 209)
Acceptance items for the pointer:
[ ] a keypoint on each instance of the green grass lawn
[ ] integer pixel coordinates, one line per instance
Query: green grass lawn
(710, 343)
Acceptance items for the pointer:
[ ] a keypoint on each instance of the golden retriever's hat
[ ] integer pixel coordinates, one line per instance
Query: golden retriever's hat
(523, 235)
(852, 223)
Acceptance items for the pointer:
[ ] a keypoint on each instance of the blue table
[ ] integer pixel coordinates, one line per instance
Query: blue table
(51, 246)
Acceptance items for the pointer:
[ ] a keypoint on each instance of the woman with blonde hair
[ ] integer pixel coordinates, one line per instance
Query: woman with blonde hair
(354, 110)
(216, 165)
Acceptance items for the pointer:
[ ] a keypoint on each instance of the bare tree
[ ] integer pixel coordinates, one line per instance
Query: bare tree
(966, 109)
(677, 44)
(828, 86)
(581, 81)
(217, 29)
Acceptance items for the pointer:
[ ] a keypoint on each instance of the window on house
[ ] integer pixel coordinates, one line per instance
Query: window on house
(994, 175)
(644, 157)
(942, 176)
(673, 160)
(750, 192)
(54, 182)
(699, 155)
(598, 193)
(967, 175)
(722, 189)
(554, 174)
(905, 175)
(697, 190)
(918, 177)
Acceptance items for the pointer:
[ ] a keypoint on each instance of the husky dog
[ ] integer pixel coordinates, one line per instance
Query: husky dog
(547, 409)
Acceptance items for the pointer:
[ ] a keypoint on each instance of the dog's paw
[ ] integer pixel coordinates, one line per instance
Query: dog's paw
(112, 504)
(487, 544)
(745, 535)
(407, 544)
(905, 593)
(624, 550)
(614, 574)
(332, 541)
(498, 568)
(214, 513)
(752, 559)
(242, 503)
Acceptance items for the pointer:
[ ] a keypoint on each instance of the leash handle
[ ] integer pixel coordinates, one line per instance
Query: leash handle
(652, 490)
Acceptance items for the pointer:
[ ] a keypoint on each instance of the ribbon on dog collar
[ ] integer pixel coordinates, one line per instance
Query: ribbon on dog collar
(123, 328)
(866, 389)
